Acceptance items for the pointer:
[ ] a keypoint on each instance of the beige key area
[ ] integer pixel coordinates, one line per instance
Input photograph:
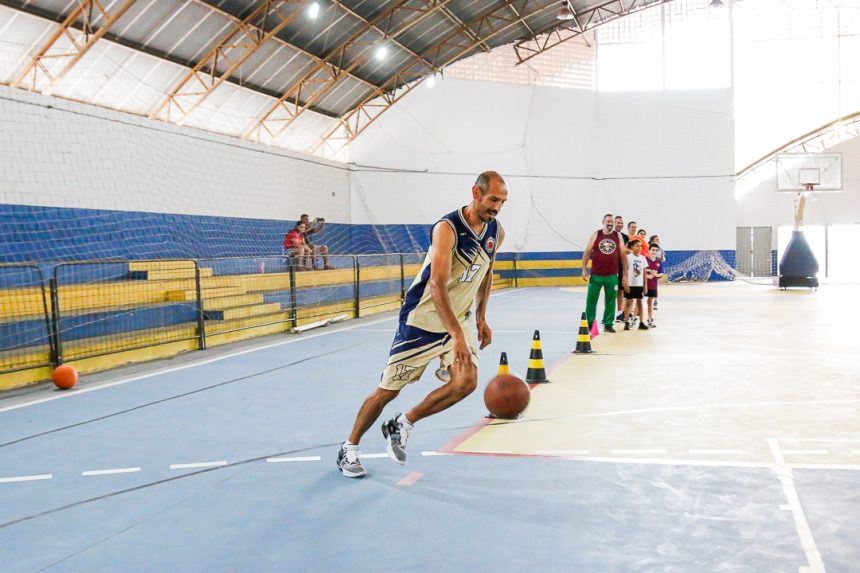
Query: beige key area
(735, 373)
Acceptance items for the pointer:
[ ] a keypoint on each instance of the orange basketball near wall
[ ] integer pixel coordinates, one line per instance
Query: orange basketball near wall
(65, 376)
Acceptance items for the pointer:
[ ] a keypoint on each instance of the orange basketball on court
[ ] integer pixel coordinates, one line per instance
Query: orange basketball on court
(65, 376)
(507, 396)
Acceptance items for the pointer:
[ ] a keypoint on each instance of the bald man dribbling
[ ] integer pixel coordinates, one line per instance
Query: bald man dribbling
(435, 321)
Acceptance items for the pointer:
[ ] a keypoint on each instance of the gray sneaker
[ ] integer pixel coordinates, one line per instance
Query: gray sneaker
(443, 374)
(349, 464)
(396, 434)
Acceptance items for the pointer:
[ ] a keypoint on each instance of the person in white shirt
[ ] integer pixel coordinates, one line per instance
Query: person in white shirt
(637, 264)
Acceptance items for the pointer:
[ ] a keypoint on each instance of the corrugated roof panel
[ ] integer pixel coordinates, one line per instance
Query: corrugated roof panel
(19, 32)
(265, 67)
(159, 23)
(345, 95)
(427, 32)
(325, 34)
(189, 35)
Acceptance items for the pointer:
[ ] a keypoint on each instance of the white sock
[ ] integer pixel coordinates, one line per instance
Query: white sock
(349, 446)
(402, 419)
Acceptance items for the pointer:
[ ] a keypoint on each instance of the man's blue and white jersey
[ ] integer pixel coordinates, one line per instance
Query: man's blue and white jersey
(470, 261)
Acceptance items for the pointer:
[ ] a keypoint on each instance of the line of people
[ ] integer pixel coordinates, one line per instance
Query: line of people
(626, 260)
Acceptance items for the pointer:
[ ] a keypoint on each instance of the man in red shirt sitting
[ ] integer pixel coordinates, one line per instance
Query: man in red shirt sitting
(294, 245)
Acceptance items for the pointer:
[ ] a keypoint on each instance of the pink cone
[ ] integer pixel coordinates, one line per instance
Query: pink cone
(595, 332)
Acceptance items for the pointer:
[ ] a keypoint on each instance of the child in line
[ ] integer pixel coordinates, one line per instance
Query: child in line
(660, 255)
(637, 264)
(652, 275)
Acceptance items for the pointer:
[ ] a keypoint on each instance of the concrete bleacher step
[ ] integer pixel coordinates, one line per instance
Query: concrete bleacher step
(243, 311)
(159, 265)
(219, 327)
(170, 274)
(205, 293)
(228, 302)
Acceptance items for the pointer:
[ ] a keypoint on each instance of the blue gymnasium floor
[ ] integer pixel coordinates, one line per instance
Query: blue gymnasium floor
(492, 503)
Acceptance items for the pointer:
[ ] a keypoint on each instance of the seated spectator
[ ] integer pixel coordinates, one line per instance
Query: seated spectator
(316, 250)
(294, 245)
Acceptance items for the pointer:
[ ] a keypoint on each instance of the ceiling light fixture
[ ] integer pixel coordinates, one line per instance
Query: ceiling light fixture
(381, 53)
(564, 13)
(314, 10)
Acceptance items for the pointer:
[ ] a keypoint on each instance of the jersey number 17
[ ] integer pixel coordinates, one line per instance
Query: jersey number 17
(469, 274)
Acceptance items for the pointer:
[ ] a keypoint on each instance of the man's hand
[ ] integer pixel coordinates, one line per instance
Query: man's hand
(485, 334)
(462, 353)
(624, 285)
(585, 274)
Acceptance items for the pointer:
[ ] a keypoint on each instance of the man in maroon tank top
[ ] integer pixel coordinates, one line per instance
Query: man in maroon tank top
(605, 250)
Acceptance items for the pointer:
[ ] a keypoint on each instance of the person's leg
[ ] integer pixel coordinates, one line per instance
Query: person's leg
(348, 461)
(370, 411)
(296, 254)
(324, 252)
(626, 313)
(650, 309)
(629, 309)
(312, 255)
(620, 299)
(464, 380)
(610, 296)
(310, 260)
(591, 297)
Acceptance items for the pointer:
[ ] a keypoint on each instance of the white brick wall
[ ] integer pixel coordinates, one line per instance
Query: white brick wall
(59, 153)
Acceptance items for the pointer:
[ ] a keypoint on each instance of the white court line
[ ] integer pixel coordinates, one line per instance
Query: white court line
(26, 478)
(804, 452)
(561, 452)
(711, 406)
(207, 361)
(786, 478)
(676, 462)
(706, 451)
(826, 440)
(89, 473)
(295, 459)
(372, 456)
(436, 454)
(824, 466)
(197, 465)
(646, 452)
(189, 365)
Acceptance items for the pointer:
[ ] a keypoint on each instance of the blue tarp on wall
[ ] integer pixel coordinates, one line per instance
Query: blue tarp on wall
(31, 233)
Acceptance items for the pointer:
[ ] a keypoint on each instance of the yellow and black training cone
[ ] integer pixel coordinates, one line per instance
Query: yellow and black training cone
(583, 338)
(503, 364)
(536, 372)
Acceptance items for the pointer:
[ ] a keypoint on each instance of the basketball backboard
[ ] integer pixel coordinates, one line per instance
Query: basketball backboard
(794, 171)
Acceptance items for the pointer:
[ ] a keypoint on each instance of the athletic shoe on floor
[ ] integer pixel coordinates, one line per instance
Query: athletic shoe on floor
(651, 324)
(643, 326)
(397, 434)
(620, 317)
(349, 464)
(655, 305)
(609, 328)
(631, 320)
(627, 326)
